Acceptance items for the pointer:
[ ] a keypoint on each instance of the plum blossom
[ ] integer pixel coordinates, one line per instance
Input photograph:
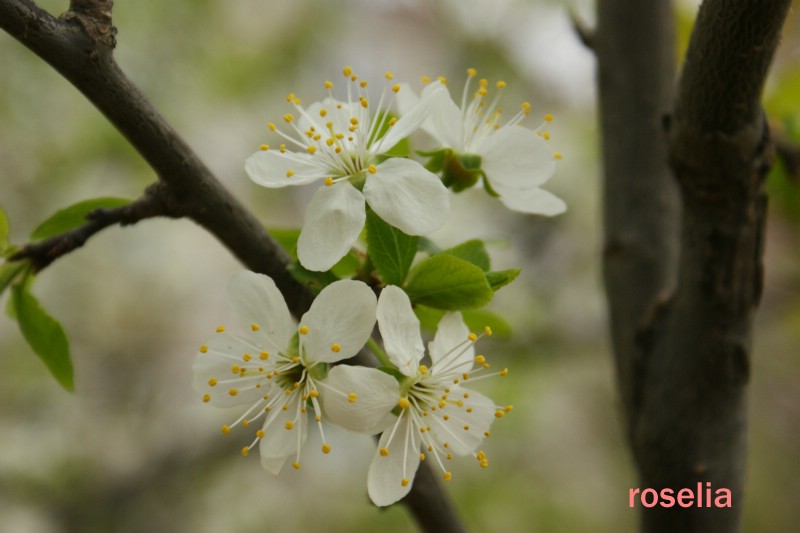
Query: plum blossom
(425, 413)
(514, 161)
(274, 367)
(343, 143)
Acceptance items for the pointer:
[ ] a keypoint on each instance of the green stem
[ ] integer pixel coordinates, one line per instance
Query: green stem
(378, 352)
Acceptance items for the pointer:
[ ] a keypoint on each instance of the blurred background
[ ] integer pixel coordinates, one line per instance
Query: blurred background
(134, 449)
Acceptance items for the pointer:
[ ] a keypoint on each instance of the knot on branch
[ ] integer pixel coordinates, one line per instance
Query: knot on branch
(94, 16)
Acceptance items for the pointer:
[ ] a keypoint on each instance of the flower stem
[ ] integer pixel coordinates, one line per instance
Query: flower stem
(378, 352)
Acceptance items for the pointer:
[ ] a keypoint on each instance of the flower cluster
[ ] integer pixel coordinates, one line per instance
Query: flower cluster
(288, 375)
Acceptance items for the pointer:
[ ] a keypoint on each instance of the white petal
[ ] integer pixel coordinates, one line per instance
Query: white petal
(334, 218)
(448, 121)
(534, 201)
(280, 443)
(407, 196)
(377, 393)
(399, 328)
(410, 121)
(478, 421)
(386, 473)
(451, 350)
(516, 157)
(269, 168)
(259, 307)
(339, 322)
(213, 371)
(407, 100)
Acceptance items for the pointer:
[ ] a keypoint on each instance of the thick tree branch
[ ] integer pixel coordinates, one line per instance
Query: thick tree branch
(79, 45)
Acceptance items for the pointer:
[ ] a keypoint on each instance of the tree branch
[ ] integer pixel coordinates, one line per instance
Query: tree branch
(79, 45)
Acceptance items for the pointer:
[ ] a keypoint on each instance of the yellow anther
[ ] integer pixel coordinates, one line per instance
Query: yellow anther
(548, 118)
(296, 465)
(311, 149)
(206, 398)
(244, 451)
(282, 148)
(263, 147)
(336, 348)
(442, 404)
(447, 476)
(326, 448)
(396, 88)
(328, 84)
(526, 107)
(546, 135)
(203, 348)
(442, 80)
(403, 403)
(263, 356)
(472, 337)
(501, 84)
(338, 149)
(465, 376)
(318, 418)
(347, 71)
(389, 76)
(481, 455)
(353, 78)
(235, 369)
(499, 414)
(423, 369)
(363, 84)
(504, 372)
(466, 395)
(289, 173)
(233, 392)
(471, 72)
(449, 456)
(392, 121)
(314, 393)
(483, 83)
(384, 452)
(245, 423)
(329, 141)
(226, 429)
(288, 118)
(405, 482)
(508, 408)
(212, 382)
(460, 403)
(557, 155)
(296, 384)
(352, 397)
(260, 433)
(372, 169)
(487, 331)
(484, 463)
(479, 360)
(353, 121)
(328, 181)
(247, 357)
(487, 434)
(289, 424)
(303, 330)
(220, 329)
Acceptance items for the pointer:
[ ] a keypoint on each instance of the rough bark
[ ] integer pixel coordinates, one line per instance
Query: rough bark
(79, 45)
(683, 365)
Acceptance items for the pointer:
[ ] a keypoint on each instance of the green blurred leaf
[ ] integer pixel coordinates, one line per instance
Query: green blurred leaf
(316, 281)
(3, 231)
(10, 271)
(73, 216)
(475, 319)
(391, 250)
(501, 278)
(44, 335)
(473, 251)
(427, 246)
(287, 238)
(447, 282)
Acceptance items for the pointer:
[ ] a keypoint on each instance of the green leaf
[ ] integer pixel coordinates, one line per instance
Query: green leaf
(446, 282)
(316, 281)
(501, 278)
(475, 319)
(44, 335)
(287, 238)
(427, 246)
(73, 216)
(473, 251)
(3, 231)
(348, 266)
(391, 250)
(10, 271)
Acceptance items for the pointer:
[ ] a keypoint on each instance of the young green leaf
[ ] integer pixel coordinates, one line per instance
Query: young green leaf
(391, 250)
(473, 251)
(3, 231)
(447, 282)
(44, 334)
(501, 278)
(316, 281)
(10, 271)
(287, 238)
(475, 319)
(73, 216)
